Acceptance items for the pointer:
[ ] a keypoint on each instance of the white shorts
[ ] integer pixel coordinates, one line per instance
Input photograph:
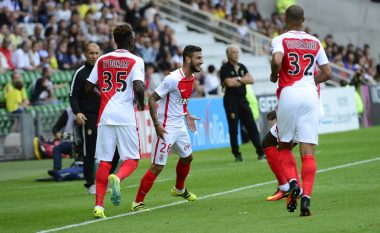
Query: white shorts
(176, 140)
(125, 137)
(298, 113)
(273, 129)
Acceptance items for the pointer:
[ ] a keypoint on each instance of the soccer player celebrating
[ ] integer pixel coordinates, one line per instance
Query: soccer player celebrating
(168, 119)
(120, 76)
(294, 55)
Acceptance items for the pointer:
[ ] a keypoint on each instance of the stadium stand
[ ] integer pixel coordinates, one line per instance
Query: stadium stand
(62, 28)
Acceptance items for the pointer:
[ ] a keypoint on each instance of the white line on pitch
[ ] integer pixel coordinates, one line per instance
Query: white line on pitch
(200, 198)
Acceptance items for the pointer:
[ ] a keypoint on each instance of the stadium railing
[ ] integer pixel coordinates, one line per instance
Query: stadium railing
(226, 31)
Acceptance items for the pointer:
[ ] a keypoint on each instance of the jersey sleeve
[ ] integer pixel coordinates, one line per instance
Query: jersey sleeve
(93, 78)
(321, 58)
(277, 45)
(165, 86)
(138, 71)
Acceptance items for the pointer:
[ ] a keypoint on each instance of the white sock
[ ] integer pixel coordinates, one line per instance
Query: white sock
(284, 187)
(100, 207)
(180, 191)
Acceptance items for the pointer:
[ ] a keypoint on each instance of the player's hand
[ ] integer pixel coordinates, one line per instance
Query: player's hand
(272, 115)
(80, 118)
(160, 131)
(190, 120)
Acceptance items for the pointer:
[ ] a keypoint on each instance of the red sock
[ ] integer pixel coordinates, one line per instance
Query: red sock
(182, 172)
(288, 164)
(308, 171)
(126, 168)
(145, 185)
(101, 181)
(273, 159)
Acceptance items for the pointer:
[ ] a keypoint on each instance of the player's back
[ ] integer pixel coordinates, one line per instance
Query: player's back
(116, 72)
(301, 52)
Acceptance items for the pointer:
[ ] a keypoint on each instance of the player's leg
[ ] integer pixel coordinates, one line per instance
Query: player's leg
(159, 157)
(308, 172)
(129, 152)
(249, 123)
(287, 116)
(308, 137)
(183, 148)
(269, 145)
(105, 149)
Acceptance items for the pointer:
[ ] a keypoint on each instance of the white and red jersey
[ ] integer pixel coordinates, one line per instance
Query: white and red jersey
(115, 73)
(175, 91)
(301, 52)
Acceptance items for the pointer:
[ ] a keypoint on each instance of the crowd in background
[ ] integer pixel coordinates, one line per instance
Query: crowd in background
(52, 33)
(248, 17)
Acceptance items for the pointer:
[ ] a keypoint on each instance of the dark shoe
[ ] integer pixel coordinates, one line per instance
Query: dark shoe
(238, 159)
(294, 191)
(261, 157)
(305, 207)
(53, 172)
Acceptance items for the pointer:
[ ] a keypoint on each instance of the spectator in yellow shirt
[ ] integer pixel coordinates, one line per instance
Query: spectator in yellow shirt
(16, 99)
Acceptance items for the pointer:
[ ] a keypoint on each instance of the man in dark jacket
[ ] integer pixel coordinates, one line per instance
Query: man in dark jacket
(85, 106)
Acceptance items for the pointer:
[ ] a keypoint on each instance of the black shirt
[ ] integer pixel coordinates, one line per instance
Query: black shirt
(227, 71)
(80, 100)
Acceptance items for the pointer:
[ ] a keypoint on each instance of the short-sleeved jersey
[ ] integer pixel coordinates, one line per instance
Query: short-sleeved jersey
(115, 72)
(301, 52)
(175, 91)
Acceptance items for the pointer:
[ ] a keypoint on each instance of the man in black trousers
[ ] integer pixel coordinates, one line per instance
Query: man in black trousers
(85, 106)
(234, 76)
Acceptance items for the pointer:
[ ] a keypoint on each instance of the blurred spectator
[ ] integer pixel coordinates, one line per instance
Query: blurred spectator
(21, 58)
(16, 99)
(63, 57)
(212, 82)
(64, 12)
(34, 54)
(6, 51)
(43, 91)
(63, 132)
(282, 5)
(152, 78)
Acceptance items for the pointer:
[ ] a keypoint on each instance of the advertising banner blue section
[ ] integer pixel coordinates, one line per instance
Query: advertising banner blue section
(212, 129)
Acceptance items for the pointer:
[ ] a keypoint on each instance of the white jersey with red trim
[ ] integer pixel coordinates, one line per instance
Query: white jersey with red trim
(115, 73)
(174, 90)
(301, 52)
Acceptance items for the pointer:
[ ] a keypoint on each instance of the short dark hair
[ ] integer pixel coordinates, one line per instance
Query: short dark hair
(123, 36)
(295, 14)
(211, 69)
(189, 50)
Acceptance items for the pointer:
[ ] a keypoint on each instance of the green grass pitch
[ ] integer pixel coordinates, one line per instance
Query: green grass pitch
(231, 195)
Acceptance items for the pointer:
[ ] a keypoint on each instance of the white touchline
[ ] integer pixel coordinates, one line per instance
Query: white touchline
(200, 198)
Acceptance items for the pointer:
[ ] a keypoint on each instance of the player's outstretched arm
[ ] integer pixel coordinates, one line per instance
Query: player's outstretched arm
(160, 131)
(138, 88)
(276, 66)
(325, 74)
